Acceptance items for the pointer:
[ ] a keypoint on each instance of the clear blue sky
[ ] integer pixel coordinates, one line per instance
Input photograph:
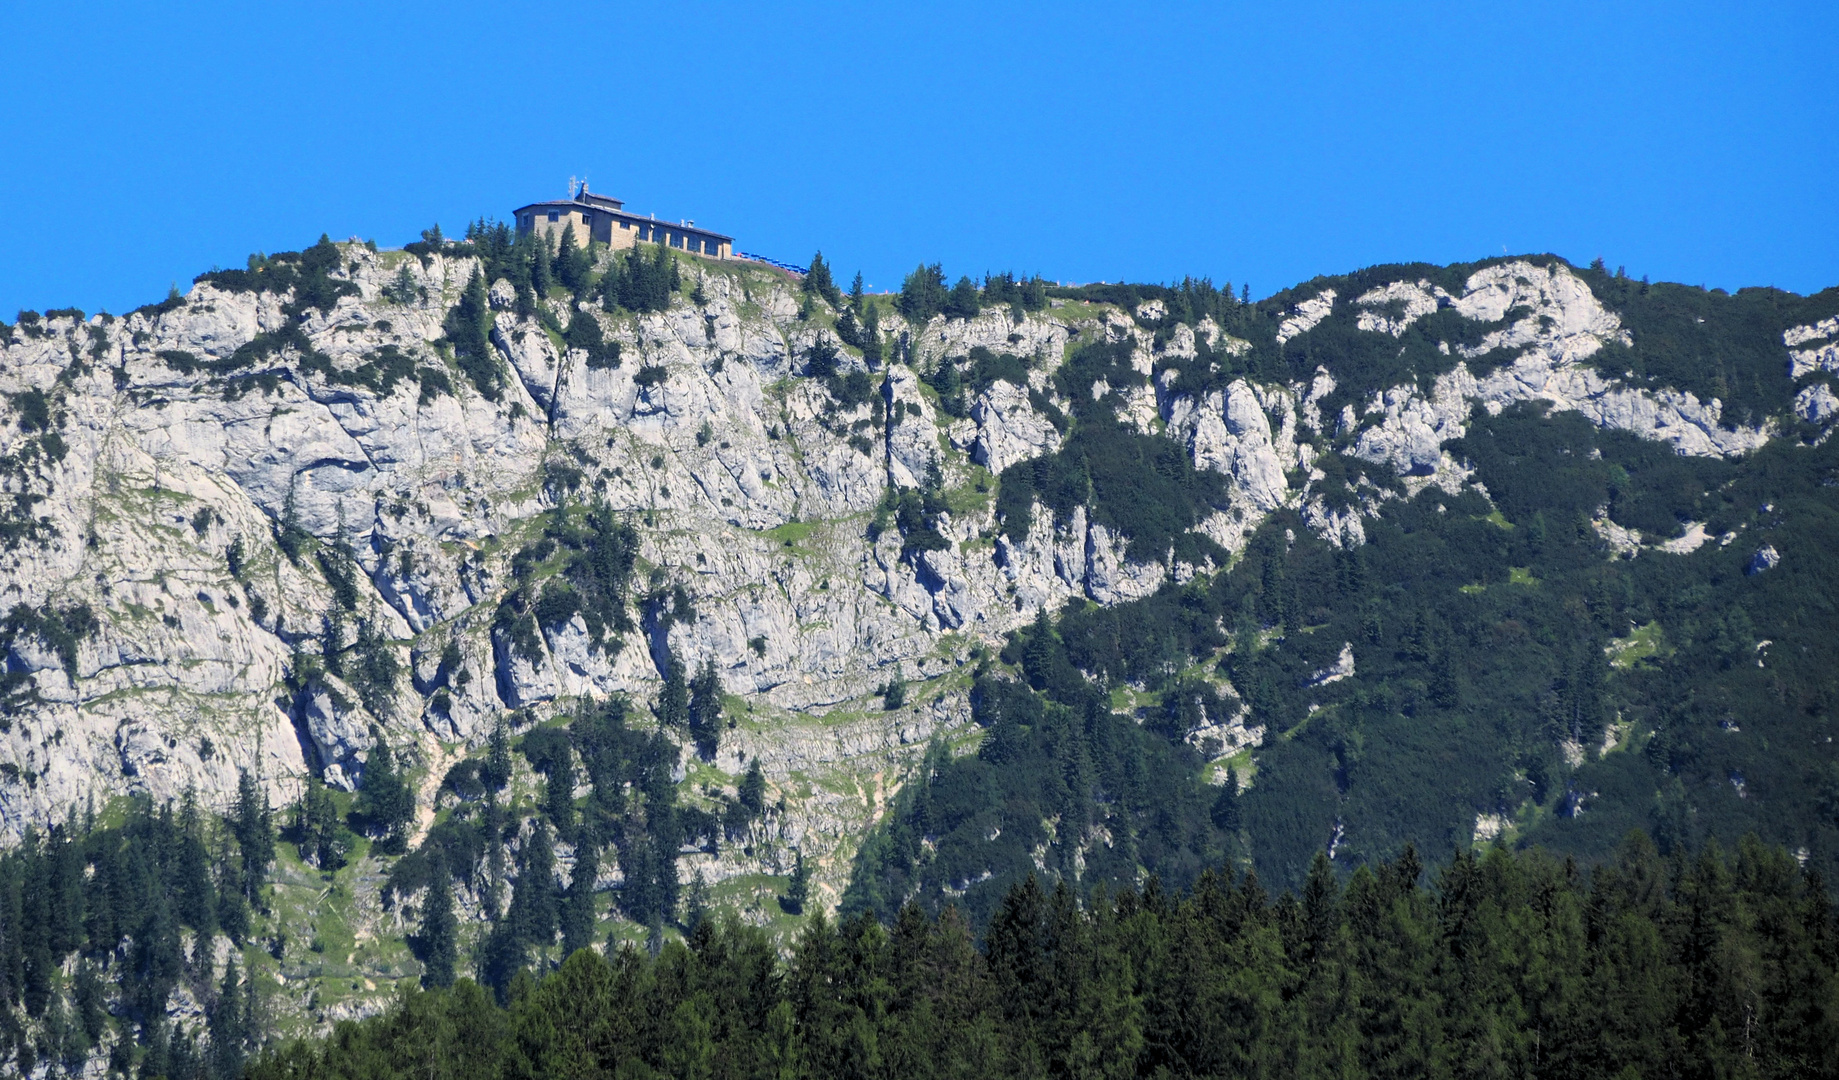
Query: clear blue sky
(142, 144)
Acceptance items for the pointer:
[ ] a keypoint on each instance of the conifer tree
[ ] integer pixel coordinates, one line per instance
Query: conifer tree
(496, 772)
(469, 330)
(818, 282)
(541, 271)
(316, 825)
(573, 262)
(438, 927)
(156, 1058)
(705, 710)
(584, 333)
(197, 900)
(375, 669)
(696, 904)
(673, 707)
(229, 1027)
(872, 346)
(797, 887)
(753, 789)
(963, 302)
(578, 907)
(64, 863)
(1226, 808)
(533, 898)
(491, 831)
(254, 828)
(386, 802)
(559, 794)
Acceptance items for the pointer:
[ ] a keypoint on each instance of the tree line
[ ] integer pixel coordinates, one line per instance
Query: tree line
(1501, 964)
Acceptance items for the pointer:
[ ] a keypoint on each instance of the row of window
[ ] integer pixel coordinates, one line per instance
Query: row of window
(652, 233)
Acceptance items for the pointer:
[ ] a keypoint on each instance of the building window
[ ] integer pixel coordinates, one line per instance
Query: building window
(625, 225)
(555, 215)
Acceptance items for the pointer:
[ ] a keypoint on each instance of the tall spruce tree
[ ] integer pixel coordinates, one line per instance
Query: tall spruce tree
(231, 1030)
(572, 262)
(469, 331)
(559, 794)
(963, 302)
(196, 897)
(439, 929)
(673, 706)
(818, 282)
(541, 269)
(705, 709)
(495, 773)
(386, 801)
(533, 897)
(797, 887)
(321, 837)
(578, 907)
(253, 827)
(870, 335)
(752, 789)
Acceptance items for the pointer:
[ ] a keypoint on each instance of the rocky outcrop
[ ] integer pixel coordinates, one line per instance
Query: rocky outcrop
(1563, 325)
(1393, 307)
(1812, 348)
(1308, 314)
(1228, 432)
(1009, 429)
(1816, 404)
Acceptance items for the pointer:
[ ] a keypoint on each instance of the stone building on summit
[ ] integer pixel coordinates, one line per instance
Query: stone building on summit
(598, 217)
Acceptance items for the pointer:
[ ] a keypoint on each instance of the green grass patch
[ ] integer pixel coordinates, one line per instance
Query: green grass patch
(791, 534)
(1643, 645)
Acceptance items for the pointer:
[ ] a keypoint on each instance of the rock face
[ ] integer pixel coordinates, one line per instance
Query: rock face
(1309, 314)
(1563, 326)
(1812, 348)
(241, 494)
(1393, 307)
(1009, 429)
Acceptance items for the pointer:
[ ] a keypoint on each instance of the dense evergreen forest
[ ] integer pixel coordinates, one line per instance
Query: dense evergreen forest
(104, 925)
(1507, 965)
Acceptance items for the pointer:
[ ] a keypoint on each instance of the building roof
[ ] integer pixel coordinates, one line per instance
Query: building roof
(577, 205)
